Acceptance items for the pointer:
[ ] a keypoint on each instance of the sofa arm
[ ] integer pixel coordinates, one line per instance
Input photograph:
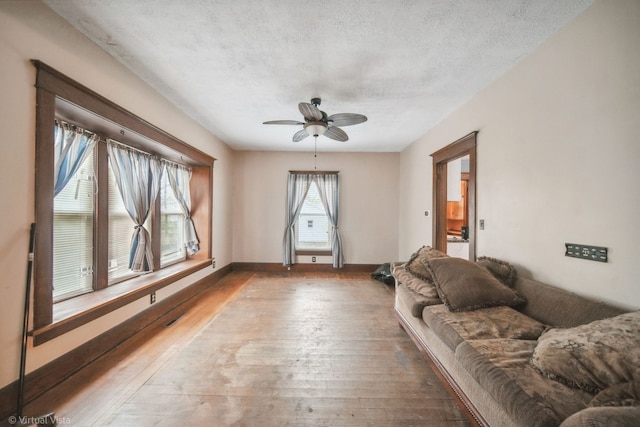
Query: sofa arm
(605, 416)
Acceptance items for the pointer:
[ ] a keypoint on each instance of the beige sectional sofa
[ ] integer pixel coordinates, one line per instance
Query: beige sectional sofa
(519, 352)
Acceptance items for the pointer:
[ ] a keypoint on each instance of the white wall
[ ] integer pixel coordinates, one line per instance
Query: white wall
(29, 30)
(558, 156)
(368, 204)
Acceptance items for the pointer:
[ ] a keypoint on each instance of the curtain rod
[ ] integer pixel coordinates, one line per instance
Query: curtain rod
(106, 140)
(77, 126)
(316, 172)
(129, 147)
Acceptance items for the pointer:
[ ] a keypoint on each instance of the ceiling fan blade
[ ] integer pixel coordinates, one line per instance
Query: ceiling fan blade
(310, 112)
(336, 133)
(346, 119)
(283, 122)
(300, 135)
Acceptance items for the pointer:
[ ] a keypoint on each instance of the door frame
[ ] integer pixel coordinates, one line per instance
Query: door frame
(460, 148)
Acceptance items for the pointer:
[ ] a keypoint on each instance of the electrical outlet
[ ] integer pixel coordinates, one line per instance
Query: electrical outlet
(152, 298)
(313, 259)
(213, 262)
(482, 224)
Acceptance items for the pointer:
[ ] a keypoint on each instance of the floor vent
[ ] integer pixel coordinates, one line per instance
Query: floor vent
(173, 321)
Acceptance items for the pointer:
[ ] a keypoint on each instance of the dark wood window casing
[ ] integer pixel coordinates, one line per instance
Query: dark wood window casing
(58, 96)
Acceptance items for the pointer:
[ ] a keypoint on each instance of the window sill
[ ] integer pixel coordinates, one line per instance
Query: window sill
(319, 252)
(75, 312)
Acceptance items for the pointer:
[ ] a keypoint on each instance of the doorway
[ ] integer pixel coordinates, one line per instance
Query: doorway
(454, 198)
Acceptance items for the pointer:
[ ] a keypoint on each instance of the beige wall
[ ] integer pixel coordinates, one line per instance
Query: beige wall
(557, 161)
(368, 204)
(558, 157)
(30, 30)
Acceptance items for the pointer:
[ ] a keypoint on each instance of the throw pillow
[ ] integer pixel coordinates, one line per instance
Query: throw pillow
(464, 285)
(502, 270)
(594, 356)
(417, 285)
(415, 266)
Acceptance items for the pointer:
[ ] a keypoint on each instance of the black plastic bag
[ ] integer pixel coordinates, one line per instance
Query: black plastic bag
(383, 274)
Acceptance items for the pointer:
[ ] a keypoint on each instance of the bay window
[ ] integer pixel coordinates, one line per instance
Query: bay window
(86, 263)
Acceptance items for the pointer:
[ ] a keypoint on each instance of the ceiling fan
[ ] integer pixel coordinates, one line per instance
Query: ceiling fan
(317, 122)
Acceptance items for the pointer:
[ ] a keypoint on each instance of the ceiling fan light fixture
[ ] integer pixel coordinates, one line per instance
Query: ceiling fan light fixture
(315, 128)
(317, 123)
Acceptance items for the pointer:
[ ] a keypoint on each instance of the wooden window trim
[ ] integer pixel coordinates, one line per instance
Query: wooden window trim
(315, 172)
(56, 92)
(312, 252)
(75, 312)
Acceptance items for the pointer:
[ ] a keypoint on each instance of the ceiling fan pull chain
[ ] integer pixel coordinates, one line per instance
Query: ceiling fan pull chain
(315, 153)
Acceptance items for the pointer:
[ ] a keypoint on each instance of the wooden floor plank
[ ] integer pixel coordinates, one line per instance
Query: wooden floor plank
(266, 349)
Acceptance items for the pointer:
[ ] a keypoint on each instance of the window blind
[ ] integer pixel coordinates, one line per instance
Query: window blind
(73, 214)
(172, 223)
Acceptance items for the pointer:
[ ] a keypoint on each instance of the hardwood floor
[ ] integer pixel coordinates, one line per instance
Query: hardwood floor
(265, 349)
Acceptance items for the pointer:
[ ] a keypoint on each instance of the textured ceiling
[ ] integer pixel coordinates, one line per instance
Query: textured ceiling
(231, 65)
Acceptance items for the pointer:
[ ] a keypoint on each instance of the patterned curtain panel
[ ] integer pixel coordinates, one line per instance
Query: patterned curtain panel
(138, 179)
(72, 145)
(179, 177)
(297, 187)
(329, 189)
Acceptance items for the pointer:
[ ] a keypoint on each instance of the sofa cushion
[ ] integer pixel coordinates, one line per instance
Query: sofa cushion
(501, 270)
(415, 265)
(594, 356)
(464, 285)
(623, 394)
(502, 367)
(493, 322)
(418, 302)
(417, 285)
(604, 417)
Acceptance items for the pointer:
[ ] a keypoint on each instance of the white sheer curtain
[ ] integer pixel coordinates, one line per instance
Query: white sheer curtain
(179, 177)
(72, 146)
(297, 188)
(138, 178)
(329, 189)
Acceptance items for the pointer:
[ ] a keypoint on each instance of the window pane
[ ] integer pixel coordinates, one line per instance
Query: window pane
(312, 228)
(73, 234)
(171, 225)
(121, 228)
